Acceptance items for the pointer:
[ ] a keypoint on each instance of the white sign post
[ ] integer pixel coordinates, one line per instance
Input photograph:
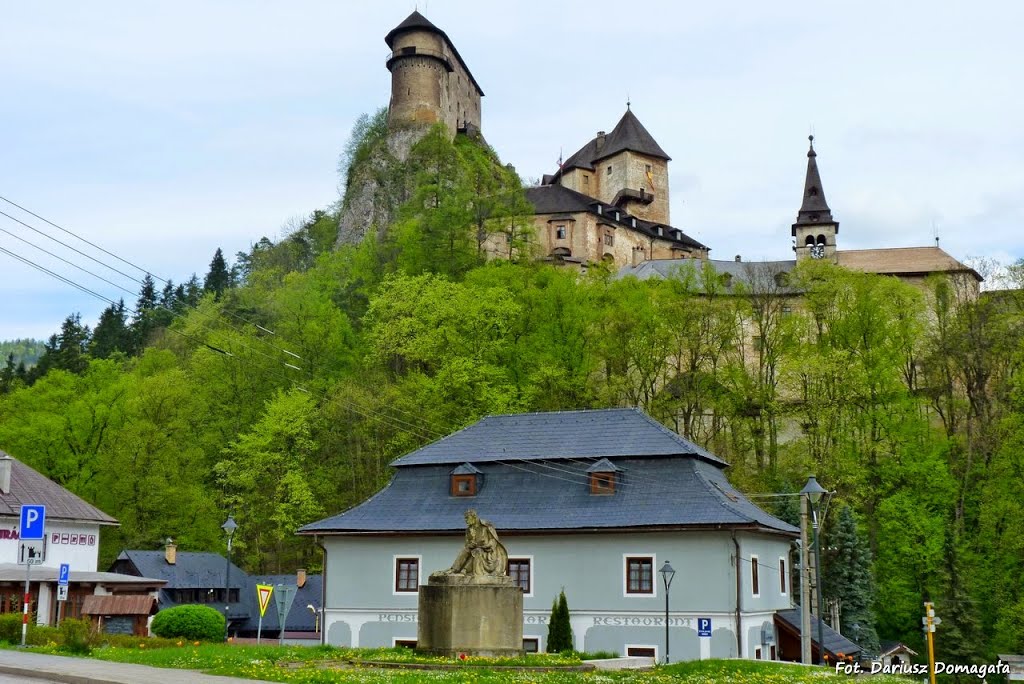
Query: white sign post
(283, 596)
(33, 528)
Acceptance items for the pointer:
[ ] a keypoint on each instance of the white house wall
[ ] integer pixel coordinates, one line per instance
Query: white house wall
(362, 609)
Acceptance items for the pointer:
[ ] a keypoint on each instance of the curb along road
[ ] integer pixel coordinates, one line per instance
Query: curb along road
(89, 671)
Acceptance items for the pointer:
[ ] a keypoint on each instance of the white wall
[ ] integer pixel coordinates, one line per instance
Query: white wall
(82, 555)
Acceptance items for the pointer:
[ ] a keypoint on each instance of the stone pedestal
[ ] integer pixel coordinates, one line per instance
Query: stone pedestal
(475, 615)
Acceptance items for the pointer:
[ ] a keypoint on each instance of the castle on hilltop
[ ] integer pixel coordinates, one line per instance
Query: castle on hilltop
(609, 201)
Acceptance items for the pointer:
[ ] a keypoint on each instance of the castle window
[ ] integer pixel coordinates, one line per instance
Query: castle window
(609, 239)
(809, 240)
(647, 169)
(821, 239)
(609, 169)
(586, 179)
(560, 232)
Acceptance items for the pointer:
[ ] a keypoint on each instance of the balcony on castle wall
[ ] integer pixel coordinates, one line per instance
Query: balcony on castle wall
(413, 51)
(631, 195)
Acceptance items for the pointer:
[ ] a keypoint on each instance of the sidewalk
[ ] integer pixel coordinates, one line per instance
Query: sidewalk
(88, 671)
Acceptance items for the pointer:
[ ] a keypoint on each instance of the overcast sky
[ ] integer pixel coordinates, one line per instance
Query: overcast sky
(162, 131)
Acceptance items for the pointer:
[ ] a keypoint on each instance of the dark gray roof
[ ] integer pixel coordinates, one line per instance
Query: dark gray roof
(834, 641)
(628, 134)
(530, 495)
(191, 570)
(814, 209)
(300, 617)
(757, 276)
(557, 199)
(466, 469)
(418, 22)
(31, 487)
(556, 435)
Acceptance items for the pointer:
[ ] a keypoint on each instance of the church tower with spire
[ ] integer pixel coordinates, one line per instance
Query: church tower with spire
(815, 230)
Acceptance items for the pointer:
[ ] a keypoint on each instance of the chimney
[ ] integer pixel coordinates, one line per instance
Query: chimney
(600, 140)
(5, 473)
(638, 255)
(300, 577)
(170, 551)
(738, 259)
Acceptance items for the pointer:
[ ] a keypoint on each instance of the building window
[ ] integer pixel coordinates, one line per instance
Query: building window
(755, 582)
(609, 169)
(519, 569)
(642, 652)
(783, 578)
(560, 232)
(771, 651)
(405, 643)
(757, 653)
(787, 310)
(602, 483)
(407, 575)
(647, 169)
(586, 179)
(609, 239)
(463, 485)
(640, 575)
(531, 644)
(758, 342)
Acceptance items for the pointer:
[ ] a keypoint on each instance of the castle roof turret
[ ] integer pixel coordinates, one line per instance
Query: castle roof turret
(418, 22)
(814, 210)
(628, 134)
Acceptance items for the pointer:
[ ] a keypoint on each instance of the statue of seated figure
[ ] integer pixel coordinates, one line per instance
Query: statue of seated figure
(483, 555)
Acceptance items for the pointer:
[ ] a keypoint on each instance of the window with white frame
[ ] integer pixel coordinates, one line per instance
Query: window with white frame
(521, 572)
(783, 577)
(407, 574)
(755, 577)
(639, 575)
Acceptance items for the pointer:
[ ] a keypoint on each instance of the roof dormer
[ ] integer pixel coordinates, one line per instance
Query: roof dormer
(465, 480)
(603, 476)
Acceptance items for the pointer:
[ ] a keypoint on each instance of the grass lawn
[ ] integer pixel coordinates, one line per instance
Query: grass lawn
(317, 665)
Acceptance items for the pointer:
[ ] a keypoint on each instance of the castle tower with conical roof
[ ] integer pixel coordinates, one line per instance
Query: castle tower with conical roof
(814, 231)
(626, 168)
(430, 82)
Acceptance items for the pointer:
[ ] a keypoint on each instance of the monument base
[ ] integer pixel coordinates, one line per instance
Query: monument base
(473, 615)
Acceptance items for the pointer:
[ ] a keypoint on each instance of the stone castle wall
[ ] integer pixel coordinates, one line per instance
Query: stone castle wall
(423, 90)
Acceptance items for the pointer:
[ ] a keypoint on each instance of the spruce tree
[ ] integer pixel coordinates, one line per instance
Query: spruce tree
(111, 334)
(559, 628)
(219, 278)
(848, 578)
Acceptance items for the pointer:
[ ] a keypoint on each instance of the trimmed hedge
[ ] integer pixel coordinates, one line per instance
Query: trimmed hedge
(193, 622)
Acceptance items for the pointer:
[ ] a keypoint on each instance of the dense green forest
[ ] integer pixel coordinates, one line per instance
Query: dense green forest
(21, 352)
(280, 388)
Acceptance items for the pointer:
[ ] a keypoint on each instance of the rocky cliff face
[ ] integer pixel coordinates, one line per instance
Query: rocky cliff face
(377, 186)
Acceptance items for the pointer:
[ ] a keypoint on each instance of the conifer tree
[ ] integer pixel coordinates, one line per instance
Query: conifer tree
(219, 278)
(7, 374)
(111, 334)
(559, 628)
(848, 578)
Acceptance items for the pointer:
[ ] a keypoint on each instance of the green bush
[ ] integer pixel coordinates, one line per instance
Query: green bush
(77, 636)
(191, 622)
(10, 628)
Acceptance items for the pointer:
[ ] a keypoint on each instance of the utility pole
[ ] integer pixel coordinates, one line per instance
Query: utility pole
(805, 583)
(929, 620)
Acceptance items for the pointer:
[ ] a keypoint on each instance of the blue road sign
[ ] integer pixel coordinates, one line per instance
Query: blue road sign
(703, 627)
(33, 520)
(65, 573)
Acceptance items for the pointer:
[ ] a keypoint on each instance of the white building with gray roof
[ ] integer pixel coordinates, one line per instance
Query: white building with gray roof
(592, 502)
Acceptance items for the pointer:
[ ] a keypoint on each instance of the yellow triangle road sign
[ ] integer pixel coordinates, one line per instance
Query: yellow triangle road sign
(263, 592)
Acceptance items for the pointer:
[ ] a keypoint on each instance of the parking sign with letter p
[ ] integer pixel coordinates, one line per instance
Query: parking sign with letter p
(33, 522)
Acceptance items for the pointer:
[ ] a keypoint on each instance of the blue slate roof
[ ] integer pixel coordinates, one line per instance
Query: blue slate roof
(555, 435)
(528, 493)
(191, 570)
(300, 617)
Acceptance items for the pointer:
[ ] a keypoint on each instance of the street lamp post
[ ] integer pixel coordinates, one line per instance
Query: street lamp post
(229, 528)
(667, 573)
(814, 491)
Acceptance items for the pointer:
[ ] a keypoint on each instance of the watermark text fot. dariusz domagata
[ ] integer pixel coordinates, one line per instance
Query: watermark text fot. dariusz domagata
(979, 671)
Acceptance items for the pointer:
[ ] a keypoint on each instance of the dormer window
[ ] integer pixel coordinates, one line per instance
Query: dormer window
(464, 481)
(603, 476)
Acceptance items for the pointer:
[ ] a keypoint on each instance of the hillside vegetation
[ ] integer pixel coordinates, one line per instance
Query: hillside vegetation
(280, 389)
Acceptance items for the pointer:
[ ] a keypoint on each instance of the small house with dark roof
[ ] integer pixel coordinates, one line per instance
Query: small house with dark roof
(595, 502)
(72, 534)
(191, 577)
(837, 646)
